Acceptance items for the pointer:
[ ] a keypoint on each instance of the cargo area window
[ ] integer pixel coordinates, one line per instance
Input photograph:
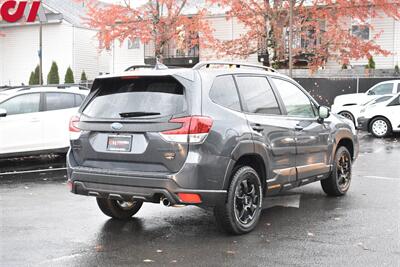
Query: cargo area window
(125, 97)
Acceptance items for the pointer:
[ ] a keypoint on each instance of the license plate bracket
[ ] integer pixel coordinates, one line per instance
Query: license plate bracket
(119, 143)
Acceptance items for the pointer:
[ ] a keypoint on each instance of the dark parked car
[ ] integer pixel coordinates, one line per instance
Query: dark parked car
(207, 136)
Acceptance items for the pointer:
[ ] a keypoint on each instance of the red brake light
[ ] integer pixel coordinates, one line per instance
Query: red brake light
(192, 125)
(194, 129)
(73, 124)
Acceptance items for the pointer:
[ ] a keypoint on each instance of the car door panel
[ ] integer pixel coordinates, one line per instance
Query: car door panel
(21, 129)
(312, 137)
(271, 132)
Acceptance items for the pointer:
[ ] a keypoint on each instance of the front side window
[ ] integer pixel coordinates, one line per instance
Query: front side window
(382, 89)
(28, 103)
(224, 93)
(57, 101)
(258, 95)
(295, 100)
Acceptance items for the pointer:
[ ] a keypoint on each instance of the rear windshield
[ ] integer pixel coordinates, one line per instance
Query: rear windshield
(148, 96)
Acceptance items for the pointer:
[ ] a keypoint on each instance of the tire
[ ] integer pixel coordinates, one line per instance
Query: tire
(118, 209)
(338, 183)
(380, 127)
(348, 115)
(241, 211)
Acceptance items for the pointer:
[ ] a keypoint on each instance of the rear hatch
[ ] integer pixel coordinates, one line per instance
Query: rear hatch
(121, 122)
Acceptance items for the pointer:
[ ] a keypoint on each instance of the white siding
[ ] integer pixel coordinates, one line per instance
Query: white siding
(388, 40)
(226, 30)
(122, 57)
(19, 51)
(86, 54)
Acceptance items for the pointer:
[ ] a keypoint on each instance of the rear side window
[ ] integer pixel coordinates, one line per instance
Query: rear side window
(78, 100)
(224, 93)
(57, 101)
(28, 103)
(119, 97)
(398, 88)
(258, 95)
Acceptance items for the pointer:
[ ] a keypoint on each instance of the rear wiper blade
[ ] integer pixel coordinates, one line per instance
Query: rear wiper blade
(138, 114)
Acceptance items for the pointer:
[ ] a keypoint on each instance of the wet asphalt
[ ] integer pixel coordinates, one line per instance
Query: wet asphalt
(42, 224)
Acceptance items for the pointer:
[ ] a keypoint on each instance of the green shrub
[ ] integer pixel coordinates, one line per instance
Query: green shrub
(371, 63)
(83, 77)
(53, 77)
(69, 76)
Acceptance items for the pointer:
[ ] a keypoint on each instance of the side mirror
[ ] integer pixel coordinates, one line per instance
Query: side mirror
(323, 113)
(3, 112)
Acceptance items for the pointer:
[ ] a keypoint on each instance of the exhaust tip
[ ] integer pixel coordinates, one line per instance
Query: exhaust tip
(165, 202)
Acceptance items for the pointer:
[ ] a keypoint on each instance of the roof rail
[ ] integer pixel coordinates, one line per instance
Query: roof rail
(157, 66)
(207, 64)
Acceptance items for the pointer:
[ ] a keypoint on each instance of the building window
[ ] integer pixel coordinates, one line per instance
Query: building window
(360, 29)
(134, 44)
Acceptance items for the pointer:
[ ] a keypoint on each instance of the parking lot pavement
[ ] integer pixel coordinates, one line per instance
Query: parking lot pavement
(44, 225)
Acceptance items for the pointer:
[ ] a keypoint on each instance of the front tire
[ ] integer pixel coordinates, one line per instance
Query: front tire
(338, 183)
(380, 127)
(117, 209)
(241, 212)
(348, 115)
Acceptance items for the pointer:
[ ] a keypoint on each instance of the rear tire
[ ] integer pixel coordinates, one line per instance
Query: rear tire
(120, 210)
(380, 127)
(241, 211)
(338, 183)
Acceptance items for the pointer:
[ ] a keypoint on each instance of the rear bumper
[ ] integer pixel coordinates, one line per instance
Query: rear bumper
(362, 123)
(127, 187)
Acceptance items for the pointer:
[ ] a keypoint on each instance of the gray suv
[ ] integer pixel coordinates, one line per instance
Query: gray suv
(221, 135)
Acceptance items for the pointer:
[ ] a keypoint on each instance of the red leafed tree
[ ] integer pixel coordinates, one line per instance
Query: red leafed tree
(322, 29)
(157, 21)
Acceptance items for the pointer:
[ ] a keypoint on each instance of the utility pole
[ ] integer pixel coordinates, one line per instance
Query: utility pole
(291, 38)
(40, 48)
(40, 53)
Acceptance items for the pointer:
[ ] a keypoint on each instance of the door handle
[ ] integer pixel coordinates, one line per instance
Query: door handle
(298, 128)
(257, 127)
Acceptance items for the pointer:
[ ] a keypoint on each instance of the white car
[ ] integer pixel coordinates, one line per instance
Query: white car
(354, 110)
(343, 103)
(35, 120)
(381, 119)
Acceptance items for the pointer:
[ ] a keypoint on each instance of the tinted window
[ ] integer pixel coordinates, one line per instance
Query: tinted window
(57, 101)
(22, 104)
(395, 101)
(296, 102)
(398, 88)
(224, 93)
(116, 96)
(78, 100)
(258, 95)
(383, 89)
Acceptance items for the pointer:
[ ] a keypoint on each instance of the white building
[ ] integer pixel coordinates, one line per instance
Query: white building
(232, 29)
(66, 40)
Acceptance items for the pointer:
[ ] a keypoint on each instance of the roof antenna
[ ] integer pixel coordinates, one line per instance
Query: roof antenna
(159, 65)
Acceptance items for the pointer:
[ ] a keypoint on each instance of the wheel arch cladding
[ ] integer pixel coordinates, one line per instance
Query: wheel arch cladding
(254, 161)
(347, 143)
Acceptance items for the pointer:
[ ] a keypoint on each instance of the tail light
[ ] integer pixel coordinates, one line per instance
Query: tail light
(74, 130)
(194, 130)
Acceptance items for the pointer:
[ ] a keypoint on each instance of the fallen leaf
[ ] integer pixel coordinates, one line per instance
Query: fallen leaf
(148, 261)
(99, 248)
(362, 246)
(337, 219)
(230, 252)
(174, 261)
(310, 234)
(159, 251)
